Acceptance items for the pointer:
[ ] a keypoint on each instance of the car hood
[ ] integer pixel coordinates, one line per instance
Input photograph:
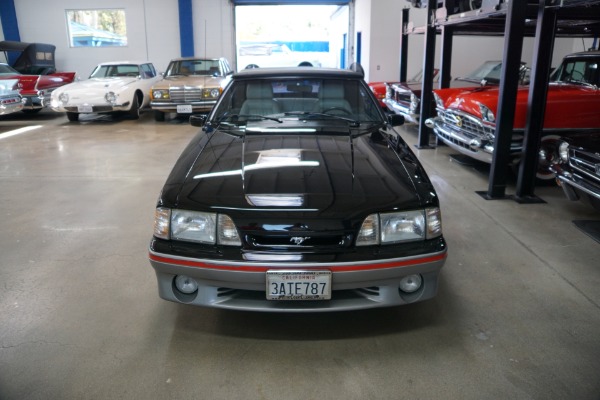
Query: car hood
(200, 81)
(101, 84)
(326, 173)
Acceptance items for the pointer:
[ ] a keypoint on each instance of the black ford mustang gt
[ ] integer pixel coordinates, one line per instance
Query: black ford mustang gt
(297, 196)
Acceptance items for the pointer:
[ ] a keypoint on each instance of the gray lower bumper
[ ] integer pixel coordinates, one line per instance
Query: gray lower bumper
(245, 290)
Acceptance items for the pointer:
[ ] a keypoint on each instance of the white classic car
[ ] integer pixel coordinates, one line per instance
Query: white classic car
(10, 99)
(112, 87)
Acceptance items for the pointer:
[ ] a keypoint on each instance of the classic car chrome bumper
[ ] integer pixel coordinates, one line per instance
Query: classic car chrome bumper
(197, 106)
(35, 102)
(242, 286)
(572, 183)
(457, 140)
(401, 109)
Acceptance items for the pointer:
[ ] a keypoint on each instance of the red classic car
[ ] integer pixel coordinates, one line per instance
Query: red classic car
(404, 98)
(35, 70)
(466, 117)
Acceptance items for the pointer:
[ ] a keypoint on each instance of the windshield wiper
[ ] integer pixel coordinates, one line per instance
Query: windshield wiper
(353, 122)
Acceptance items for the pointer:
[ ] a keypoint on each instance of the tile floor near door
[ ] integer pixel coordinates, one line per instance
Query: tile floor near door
(517, 315)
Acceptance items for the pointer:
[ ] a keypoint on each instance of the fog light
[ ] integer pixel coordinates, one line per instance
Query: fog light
(185, 284)
(411, 283)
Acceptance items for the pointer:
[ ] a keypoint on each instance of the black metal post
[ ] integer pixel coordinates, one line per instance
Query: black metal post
(536, 106)
(404, 45)
(514, 31)
(427, 85)
(446, 59)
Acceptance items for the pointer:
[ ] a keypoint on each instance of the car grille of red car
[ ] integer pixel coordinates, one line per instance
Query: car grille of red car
(468, 125)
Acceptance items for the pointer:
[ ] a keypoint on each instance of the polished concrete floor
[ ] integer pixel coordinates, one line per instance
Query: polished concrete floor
(517, 315)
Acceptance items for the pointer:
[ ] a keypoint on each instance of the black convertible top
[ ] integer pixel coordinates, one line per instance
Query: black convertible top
(35, 58)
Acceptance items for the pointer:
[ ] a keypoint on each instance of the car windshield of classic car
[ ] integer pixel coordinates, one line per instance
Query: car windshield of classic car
(298, 195)
(194, 67)
(116, 71)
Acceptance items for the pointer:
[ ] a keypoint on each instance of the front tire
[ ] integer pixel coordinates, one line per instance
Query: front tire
(73, 117)
(134, 111)
(159, 116)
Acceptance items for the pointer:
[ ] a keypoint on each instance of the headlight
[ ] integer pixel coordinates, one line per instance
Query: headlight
(414, 103)
(212, 93)
(388, 228)
(486, 114)
(111, 97)
(563, 151)
(195, 226)
(160, 94)
(438, 101)
(63, 98)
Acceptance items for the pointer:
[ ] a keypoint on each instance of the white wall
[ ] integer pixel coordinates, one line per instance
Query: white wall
(383, 62)
(152, 31)
(213, 36)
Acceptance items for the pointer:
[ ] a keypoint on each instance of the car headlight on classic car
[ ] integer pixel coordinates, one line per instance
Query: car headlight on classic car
(63, 98)
(563, 151)
(211, 93)
(111, 97)
(160, 94)
(486, 114)
(397, 227)
(438, 101)
(414, 103)
(195, 226)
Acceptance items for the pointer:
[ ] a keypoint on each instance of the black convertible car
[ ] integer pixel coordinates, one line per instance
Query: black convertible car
(297, 196)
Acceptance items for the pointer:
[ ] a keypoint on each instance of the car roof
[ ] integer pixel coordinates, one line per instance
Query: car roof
(594, 53)
(295, 72)
(196, 58)
(125, 62)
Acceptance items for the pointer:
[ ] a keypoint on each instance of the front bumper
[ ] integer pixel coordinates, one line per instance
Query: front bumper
(36, 102)
(242, 285)
(94, 108)
(402, 109)
(579, 186)
(197, 106)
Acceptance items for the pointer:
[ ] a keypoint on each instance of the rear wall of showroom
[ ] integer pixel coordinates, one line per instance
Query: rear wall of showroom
(153, 33)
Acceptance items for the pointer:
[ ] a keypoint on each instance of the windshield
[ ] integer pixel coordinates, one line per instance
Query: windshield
(109, 71)
(297, 99)
(194, 67)
(583, 72)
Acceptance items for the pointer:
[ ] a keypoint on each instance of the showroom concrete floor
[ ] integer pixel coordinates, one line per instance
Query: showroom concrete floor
(517, 315)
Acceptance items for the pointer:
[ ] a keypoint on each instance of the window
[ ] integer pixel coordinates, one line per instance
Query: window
(97, 28)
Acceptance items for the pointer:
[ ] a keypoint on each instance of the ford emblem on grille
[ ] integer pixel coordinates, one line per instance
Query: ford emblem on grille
(297, 240)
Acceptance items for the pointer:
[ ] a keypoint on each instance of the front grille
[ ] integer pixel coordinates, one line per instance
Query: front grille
(300, 241)
(586, 162)
(188, 94)
(469, 126)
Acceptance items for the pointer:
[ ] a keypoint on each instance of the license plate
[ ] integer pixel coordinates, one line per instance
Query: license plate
(298, 285)
(184, 109)
(85, 109)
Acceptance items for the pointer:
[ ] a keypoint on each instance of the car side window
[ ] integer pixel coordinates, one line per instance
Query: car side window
(149, 71)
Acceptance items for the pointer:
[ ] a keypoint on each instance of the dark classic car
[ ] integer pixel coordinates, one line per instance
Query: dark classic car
(466, 118)
(36, 72)
(578, 169)
(404, 98)
(298, 195)
(190, 85)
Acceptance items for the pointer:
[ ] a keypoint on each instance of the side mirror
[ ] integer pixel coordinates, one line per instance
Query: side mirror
(198, 120)
(395, 119)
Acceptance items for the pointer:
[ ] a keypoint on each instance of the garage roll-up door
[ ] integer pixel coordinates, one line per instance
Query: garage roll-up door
(290, 2)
